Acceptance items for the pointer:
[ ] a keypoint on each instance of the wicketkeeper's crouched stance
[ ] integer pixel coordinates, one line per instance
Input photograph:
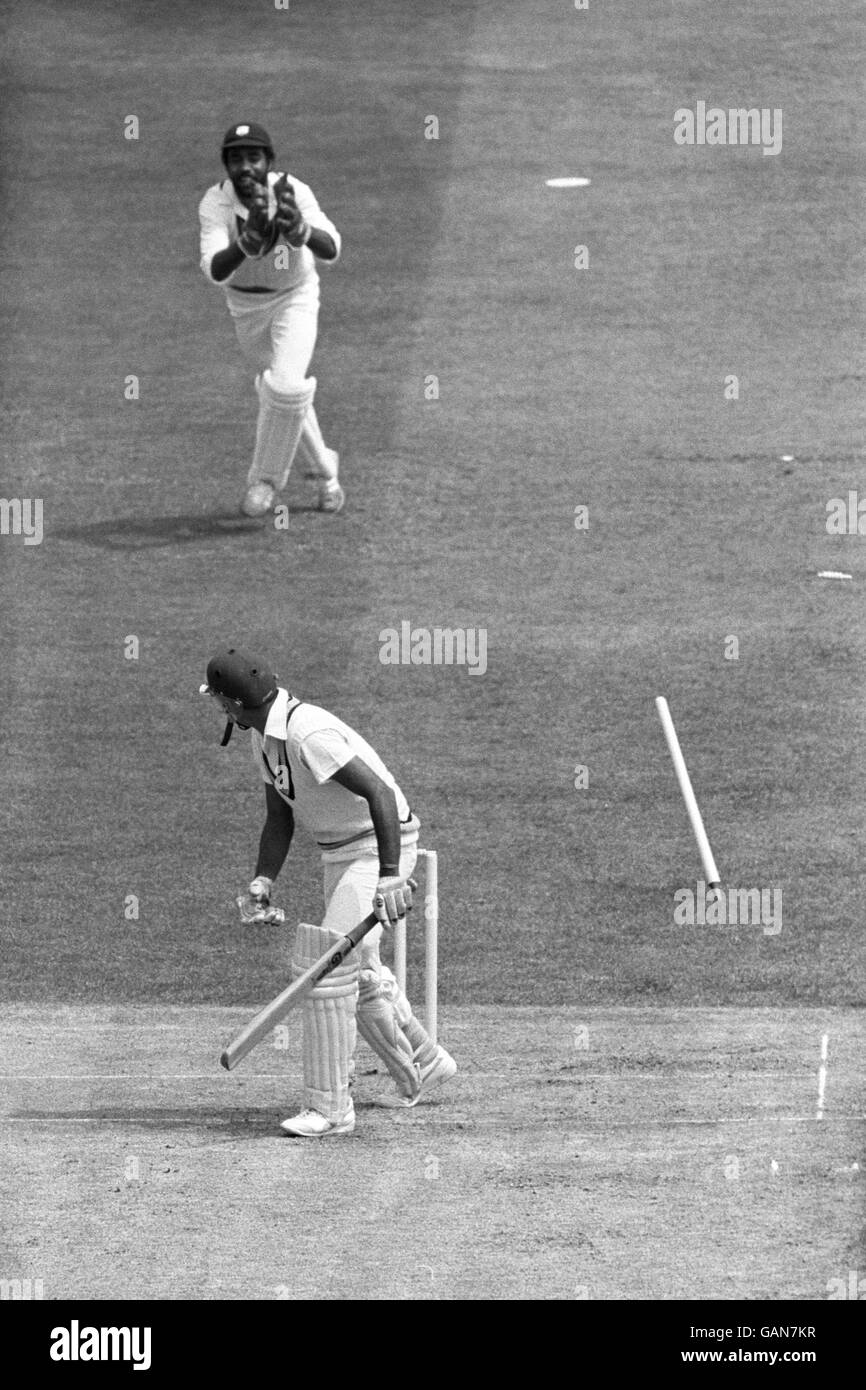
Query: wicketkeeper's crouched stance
(319, 769)
(261, 237)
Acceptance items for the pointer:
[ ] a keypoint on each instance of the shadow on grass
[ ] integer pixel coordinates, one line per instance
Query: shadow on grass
(149, 532)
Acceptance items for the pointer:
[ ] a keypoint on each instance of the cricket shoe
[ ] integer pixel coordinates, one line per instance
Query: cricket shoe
(331, 495)
(311, 1124)
(442, 1068)
(259, 499)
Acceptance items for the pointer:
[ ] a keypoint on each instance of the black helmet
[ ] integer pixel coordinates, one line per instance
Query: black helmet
(240, 677)
(247, 133)
(241, 680)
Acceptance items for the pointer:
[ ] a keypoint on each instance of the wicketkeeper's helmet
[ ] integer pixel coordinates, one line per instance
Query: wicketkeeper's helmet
(239, 681)
(248, 133)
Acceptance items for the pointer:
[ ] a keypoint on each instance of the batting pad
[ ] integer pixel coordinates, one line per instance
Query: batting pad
(379, 1023)
(423, 1047)
(329, 1023)
(312, 449)
(281, 419)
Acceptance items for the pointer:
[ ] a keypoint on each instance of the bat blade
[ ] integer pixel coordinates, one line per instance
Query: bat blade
(268, 1017)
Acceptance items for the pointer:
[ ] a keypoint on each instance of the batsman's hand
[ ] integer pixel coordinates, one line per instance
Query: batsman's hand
(255, 905)
(393, 899)
(288, 219)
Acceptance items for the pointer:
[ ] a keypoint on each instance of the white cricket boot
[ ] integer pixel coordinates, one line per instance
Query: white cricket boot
(331, 495)
(258, 500)
(311, 1124)
(440, 1069)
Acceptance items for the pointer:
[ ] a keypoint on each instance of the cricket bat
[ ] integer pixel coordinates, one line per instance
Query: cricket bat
(272, 1013)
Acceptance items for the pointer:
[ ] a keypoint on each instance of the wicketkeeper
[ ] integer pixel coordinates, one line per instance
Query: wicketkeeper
(319, 770)
(262, 234)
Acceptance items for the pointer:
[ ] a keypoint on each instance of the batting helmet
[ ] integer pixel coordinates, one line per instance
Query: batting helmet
(239, 680)
(240, 677)
(247, 133)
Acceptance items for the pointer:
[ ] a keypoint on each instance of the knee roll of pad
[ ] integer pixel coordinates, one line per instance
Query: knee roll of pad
(284, 394)
(391, 990)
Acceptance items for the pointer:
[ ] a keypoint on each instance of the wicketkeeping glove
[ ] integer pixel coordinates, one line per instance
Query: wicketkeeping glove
(288, 219)
(393, 899)
(255, 905)
(259, 233)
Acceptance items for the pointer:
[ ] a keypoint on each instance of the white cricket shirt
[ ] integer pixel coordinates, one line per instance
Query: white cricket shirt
(222, 216)
(303, 746)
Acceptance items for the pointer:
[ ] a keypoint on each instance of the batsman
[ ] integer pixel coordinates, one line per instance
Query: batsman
(262, 237)
(318, 770)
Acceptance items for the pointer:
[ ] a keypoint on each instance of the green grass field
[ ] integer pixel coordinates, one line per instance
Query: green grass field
(559, 388)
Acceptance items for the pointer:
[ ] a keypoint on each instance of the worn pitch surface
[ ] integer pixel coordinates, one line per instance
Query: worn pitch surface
(600, 1153)
(128, 831)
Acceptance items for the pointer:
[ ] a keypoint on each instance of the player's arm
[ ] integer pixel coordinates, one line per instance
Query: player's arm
(276, 837)
(226, 262)
(219, 255)
(357, 777)
(251, 241)
(322, 245)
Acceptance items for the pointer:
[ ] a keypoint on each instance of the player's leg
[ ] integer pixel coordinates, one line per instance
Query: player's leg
(252, 323)
(281, 415)
(349, 889)
(293, 335)
(385, 1018)
(329, 1039)
(321, 464)
(435, 1064)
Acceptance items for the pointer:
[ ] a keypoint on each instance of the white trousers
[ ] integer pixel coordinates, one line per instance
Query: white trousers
(349, 890)
(278, 334)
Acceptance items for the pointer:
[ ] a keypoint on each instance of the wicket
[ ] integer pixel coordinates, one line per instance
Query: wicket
(431, 942)
(689, 798)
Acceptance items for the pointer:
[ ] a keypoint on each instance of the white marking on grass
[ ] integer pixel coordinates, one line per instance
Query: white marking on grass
(822, 1076)
(218, 1074)
(429, 1113)
(123, 1075)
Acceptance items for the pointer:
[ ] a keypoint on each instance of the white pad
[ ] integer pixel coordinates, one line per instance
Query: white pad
(379, 1023)
(312, 449)
(329, 1023)
(281, 419)
(423, 1047)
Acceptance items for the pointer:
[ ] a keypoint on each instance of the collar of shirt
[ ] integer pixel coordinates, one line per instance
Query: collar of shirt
(279, 714)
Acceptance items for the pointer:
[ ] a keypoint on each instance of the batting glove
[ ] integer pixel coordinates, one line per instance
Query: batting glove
(393, 899)
(255, 905)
